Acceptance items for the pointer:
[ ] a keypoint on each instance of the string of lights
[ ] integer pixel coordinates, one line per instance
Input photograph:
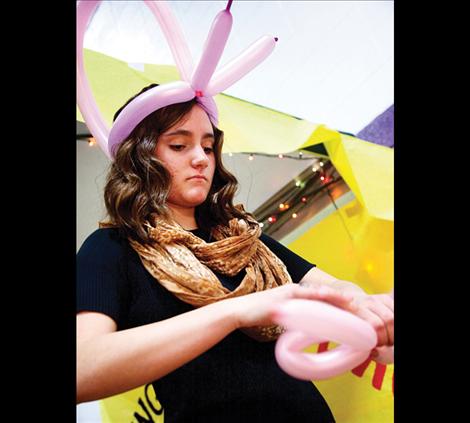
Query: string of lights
(290, 201)
(297, 156)
(299, 192)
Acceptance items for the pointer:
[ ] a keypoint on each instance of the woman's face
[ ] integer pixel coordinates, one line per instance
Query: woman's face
(186, 149)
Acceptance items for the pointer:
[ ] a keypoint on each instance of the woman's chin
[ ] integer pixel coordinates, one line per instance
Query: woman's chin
(196, 199)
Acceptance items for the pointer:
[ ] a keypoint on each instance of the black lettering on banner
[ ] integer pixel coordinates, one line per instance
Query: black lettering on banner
(157, 411)
(141, 419)
(154, 408)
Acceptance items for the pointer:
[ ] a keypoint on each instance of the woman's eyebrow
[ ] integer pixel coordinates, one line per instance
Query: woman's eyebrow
(187, 133)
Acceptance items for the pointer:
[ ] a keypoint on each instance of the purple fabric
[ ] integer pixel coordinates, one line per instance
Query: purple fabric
(380, 130)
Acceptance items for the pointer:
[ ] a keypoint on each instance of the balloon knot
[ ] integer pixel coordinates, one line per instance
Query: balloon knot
(199, 93)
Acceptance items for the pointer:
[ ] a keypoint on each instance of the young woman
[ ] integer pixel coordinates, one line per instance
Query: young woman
(178, 288)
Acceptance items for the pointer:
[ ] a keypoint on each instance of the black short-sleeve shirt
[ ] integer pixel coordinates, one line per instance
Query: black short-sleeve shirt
(236, 380)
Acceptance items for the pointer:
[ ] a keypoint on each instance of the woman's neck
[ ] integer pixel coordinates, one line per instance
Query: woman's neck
(184, 216)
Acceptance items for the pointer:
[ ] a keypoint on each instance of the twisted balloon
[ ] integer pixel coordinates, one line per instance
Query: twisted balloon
(309, 322)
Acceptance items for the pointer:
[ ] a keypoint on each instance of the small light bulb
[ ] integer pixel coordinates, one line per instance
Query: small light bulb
(251, 157)
(294, 215)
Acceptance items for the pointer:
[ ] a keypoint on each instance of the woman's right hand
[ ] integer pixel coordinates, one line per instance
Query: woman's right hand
(384, 354)
(259, 308)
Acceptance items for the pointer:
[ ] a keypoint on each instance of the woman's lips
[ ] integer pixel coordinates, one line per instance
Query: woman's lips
(198, 177)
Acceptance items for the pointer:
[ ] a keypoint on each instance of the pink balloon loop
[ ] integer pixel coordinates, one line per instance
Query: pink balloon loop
(144, 104)
(308, 322)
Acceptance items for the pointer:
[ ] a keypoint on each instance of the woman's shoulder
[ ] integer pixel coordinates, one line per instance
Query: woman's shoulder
(108, 235)
(266, 239)
(108, 241)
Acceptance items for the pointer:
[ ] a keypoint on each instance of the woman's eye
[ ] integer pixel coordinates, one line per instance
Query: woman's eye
(208, 150)
(176, 147)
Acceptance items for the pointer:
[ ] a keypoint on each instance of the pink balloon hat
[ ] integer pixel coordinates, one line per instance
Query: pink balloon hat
(198, 82)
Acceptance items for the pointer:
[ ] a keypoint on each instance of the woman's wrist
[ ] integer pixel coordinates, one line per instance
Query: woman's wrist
(229, 312)
(348, 288)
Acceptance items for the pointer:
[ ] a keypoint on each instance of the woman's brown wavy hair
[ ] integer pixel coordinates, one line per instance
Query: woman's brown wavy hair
(138, 184)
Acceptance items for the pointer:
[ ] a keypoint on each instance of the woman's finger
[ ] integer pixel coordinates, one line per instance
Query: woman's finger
(387, 316)
(377, 323)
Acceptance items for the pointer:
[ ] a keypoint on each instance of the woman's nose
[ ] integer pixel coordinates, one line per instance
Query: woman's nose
(200, 157)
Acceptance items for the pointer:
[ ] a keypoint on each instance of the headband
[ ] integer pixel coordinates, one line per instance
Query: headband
(198, 82)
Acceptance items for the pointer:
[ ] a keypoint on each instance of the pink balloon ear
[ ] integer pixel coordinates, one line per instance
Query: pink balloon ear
(85, 100)
(174, 36)
(241, 65)
(213, 50)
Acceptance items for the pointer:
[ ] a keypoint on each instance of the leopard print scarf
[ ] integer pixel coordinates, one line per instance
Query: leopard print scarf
(183, 263)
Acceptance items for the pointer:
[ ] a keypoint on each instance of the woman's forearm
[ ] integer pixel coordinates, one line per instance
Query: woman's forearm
(115, 362)
(111, 362)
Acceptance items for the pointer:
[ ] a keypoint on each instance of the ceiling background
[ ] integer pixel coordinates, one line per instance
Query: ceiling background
(333, 63)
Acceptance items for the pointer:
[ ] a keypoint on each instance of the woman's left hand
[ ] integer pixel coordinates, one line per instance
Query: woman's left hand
(378, 310)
